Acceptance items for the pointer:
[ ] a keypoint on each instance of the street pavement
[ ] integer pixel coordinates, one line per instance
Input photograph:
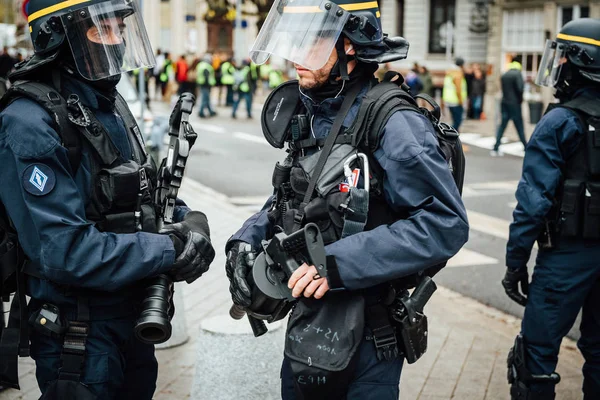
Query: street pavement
(229, 177)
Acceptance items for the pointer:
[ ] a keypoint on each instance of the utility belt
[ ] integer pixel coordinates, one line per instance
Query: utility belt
(576, 216)
(323, 336)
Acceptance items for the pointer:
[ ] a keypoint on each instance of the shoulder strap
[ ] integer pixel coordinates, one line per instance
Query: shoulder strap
(132, 128)
(331, 138)
(380, 102)
(50, 99)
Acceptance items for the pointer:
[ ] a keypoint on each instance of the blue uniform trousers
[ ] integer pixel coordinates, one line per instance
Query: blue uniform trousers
(373, 379)
(117, 365)
(564, 281)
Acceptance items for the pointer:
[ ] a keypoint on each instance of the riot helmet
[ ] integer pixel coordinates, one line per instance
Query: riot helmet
(105, 37)
(573, 58)
(306, 31)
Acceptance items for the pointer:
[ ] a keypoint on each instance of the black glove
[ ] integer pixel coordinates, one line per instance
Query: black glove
(238, 265)
(511, 284)
(191, 239)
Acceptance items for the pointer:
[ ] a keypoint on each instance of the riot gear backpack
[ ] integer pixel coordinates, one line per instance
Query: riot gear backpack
(390, 96)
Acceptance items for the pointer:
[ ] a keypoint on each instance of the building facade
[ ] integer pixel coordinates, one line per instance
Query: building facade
(521, 27)
(188, 27)
(438, 31)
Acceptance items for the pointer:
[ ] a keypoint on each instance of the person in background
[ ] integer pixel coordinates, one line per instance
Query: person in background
(469, 75)
(512, 97)
(413, 81)
(160, 60)
(181, 69)
(190, 83)
(455, 92)
(275, 78)
(243, 88)
(477, 91)
(425, 76)
(166, 76)
(205, 79)
(227, 80)
(7, 63)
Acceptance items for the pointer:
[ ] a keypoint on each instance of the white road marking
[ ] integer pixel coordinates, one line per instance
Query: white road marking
(249, 200)
(489, 188)
(487, 142)
(250, 138)
(211, 128)
(467, 258)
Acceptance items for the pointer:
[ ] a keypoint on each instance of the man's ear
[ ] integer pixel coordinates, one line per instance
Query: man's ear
(348, 47)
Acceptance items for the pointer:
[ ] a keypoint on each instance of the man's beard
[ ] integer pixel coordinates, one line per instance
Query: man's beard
(316, 82)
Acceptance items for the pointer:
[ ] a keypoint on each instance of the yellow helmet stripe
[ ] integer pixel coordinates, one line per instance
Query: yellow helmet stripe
(55, 7)
(578, 39)
(359, 6)
(316, 9)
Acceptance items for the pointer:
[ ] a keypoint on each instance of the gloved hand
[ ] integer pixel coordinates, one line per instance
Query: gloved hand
(191, 239)
(239, 263)
(511, 284)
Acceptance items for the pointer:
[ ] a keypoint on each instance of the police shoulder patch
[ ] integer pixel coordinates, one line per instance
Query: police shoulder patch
(38, 179)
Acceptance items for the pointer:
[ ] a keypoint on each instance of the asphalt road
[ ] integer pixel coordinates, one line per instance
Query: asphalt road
(233, 158)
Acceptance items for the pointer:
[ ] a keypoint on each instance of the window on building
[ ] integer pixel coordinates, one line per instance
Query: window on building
(442, 15)
(569, 13)
(523, 35)
(400, 17)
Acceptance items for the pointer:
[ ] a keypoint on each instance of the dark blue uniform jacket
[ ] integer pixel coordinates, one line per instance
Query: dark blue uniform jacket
(66, 249)
(554, 141)
(417, 179)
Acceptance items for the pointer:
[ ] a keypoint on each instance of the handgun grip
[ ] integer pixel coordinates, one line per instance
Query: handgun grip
(422, 293)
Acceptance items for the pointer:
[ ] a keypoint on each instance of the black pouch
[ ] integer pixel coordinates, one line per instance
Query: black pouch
(570, 208)
(67, 390)
(118, 187)
(591, 216)
(322, 340)
(593, 146)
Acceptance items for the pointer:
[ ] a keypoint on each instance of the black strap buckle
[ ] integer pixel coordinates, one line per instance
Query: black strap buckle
(447, 130)
(385, 343)
(299, 218)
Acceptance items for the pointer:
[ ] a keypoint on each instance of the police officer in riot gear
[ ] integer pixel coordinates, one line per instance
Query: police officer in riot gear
(79, 189)
(558, 202)
(415, 220)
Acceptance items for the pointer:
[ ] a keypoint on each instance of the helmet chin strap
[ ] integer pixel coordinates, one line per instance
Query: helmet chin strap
(340, 68)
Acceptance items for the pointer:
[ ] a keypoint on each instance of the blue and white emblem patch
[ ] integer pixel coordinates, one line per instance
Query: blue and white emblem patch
(38, 179)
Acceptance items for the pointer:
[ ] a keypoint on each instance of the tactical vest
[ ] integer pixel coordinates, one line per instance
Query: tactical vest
(579, 193)
(121, 200)
(348, 196)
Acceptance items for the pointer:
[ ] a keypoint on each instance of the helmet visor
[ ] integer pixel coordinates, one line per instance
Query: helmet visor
(301, 31)
(107, 39)
(555, 55)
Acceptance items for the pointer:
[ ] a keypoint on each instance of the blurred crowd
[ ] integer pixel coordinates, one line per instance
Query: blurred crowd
(207, 77)
(462, 92)
(8, 58)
